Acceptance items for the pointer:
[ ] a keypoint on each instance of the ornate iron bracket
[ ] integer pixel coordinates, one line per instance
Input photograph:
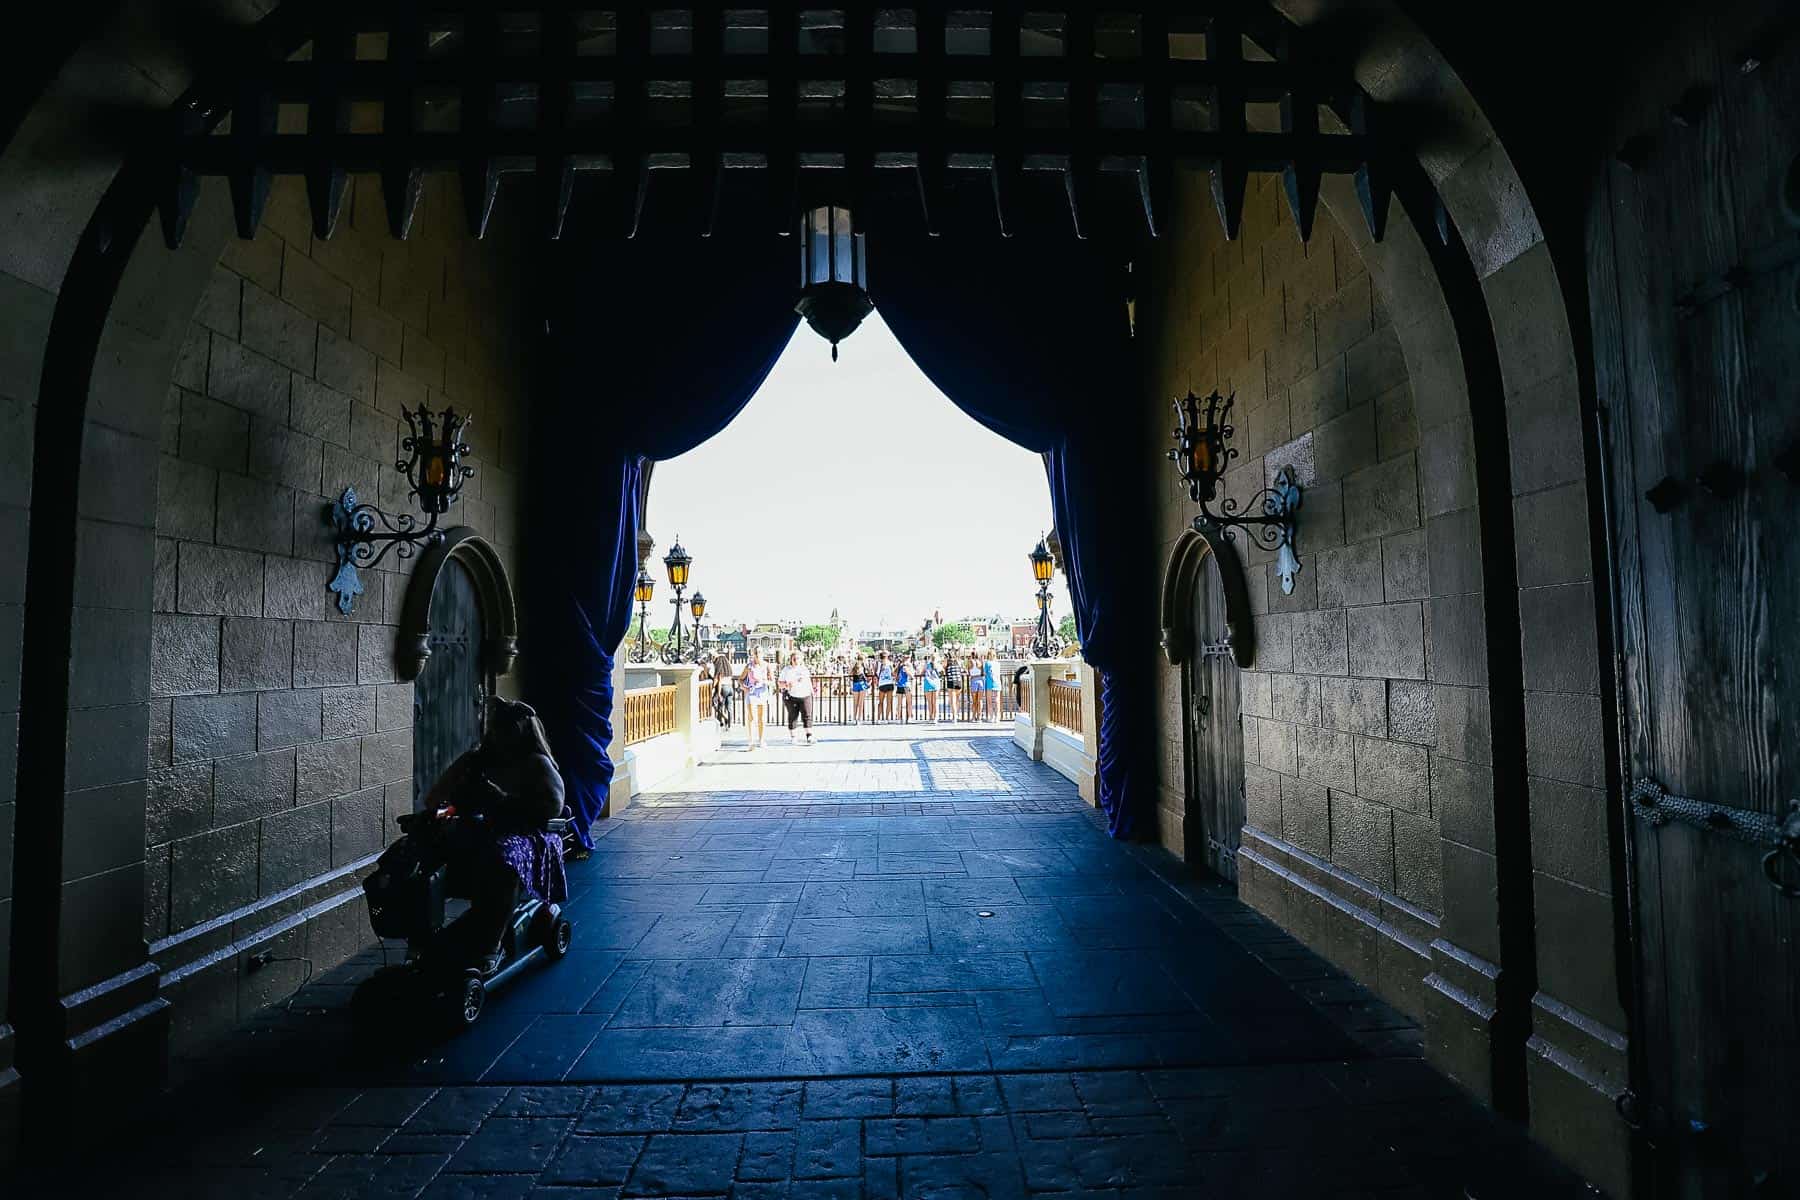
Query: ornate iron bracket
(1653, 803)
(1275, 528)
(360, 546)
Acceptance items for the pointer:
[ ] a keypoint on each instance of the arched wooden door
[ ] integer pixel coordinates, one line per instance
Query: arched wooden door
(450, 695)
(1214, 734)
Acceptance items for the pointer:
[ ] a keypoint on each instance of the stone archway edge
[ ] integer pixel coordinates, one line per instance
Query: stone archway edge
(464, 545)
(1179, 578)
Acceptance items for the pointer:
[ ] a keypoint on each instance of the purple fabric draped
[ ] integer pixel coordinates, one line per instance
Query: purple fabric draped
(1032, 341)
(654, 345)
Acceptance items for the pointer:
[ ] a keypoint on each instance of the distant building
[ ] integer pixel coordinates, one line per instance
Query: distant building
(1023, 631)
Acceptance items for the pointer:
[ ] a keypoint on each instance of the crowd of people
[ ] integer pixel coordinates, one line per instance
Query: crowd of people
(920, 685)
(941, 679)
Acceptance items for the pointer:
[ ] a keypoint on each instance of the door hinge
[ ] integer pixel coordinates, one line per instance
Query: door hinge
(1652, 803)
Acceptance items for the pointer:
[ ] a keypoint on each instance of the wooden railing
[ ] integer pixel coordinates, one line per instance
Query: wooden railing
(703, 698)
(1065, 705)
(1025, 694)
(649, 712)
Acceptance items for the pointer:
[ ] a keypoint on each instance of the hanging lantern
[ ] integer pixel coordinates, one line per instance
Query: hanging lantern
(834, 276)
(645, 591)
(697, 606)
(1043, 564)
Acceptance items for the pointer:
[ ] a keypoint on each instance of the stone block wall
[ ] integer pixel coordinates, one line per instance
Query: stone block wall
(1355, 688)
(280, 737)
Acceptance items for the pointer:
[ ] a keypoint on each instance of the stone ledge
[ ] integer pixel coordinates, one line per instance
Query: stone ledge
(1342, 917)
(259, 920)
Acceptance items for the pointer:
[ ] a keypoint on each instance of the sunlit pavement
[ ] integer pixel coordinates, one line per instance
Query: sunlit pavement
(904, 961)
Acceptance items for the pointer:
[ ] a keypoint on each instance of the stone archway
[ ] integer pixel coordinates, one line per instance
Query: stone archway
(99, 374)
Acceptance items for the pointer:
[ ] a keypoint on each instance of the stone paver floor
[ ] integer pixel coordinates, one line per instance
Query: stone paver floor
(900, 963)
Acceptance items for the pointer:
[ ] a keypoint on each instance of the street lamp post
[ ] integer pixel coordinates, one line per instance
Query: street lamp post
(1043, 566)
(642, 650)
(677, 562)
(697, 606)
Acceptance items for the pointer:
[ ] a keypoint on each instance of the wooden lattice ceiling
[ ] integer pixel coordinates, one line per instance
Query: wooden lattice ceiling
(611, 92)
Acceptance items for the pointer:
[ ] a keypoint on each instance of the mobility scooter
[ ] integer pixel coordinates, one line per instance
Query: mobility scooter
(407, 895)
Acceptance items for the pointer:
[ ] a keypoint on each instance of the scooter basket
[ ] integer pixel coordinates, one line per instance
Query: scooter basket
(406, 893)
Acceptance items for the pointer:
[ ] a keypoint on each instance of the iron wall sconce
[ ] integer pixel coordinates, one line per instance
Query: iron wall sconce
(1201, 456)
(435, 470)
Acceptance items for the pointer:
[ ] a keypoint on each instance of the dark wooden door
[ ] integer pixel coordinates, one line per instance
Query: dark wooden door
(450, 696)
(1695, 274)
(1214, 735)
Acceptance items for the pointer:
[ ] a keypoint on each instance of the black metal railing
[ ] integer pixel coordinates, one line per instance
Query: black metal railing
(835, 703)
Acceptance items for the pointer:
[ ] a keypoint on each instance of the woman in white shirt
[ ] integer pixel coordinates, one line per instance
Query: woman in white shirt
(755, 682)
(797, 688)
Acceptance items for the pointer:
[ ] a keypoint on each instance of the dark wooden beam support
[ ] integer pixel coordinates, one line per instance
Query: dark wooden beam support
(784, 114)
(555, 171)
(401, 177)
(479, 177)
(327, 118)
(1155, 170)
(1374, 183)
(1081, 181)
(859, 111)
(291, 82)
(181, 186)
(1230, 171)
(708, 160)
(933, 93)
(1009, 111)
(631, 163)
(1300, 116)
(249, 175)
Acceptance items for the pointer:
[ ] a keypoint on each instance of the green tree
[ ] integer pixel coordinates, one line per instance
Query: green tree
(953, 633)
(816, 637)
(657, 636)
(1065, 629)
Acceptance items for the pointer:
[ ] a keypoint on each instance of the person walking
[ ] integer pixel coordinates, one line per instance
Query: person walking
(797, 692)
(954, 679)
(757, 691)
(884, 688)
(859, 690)
(723, 685)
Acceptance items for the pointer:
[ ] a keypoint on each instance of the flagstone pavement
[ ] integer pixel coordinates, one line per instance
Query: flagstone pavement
(905, 962)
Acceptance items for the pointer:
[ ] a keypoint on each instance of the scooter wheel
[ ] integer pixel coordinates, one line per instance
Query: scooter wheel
(558, 938)
(466, 1001)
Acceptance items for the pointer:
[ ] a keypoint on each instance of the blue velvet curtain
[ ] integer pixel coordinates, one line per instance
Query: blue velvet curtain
(1033, 341)
(654, 346)
(651, 348)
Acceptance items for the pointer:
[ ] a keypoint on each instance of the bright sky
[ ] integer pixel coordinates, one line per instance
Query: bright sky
(887, 501)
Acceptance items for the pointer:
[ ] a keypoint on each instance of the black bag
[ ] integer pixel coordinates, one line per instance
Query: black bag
(406, 892)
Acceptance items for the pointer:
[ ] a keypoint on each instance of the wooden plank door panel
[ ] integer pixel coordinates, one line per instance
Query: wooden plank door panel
(1694, 271)
(450, 696)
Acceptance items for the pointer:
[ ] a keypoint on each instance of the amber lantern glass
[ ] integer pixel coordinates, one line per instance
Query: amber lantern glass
(676, 562)
(1043, 564)
(645, 591)
(697, 606)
